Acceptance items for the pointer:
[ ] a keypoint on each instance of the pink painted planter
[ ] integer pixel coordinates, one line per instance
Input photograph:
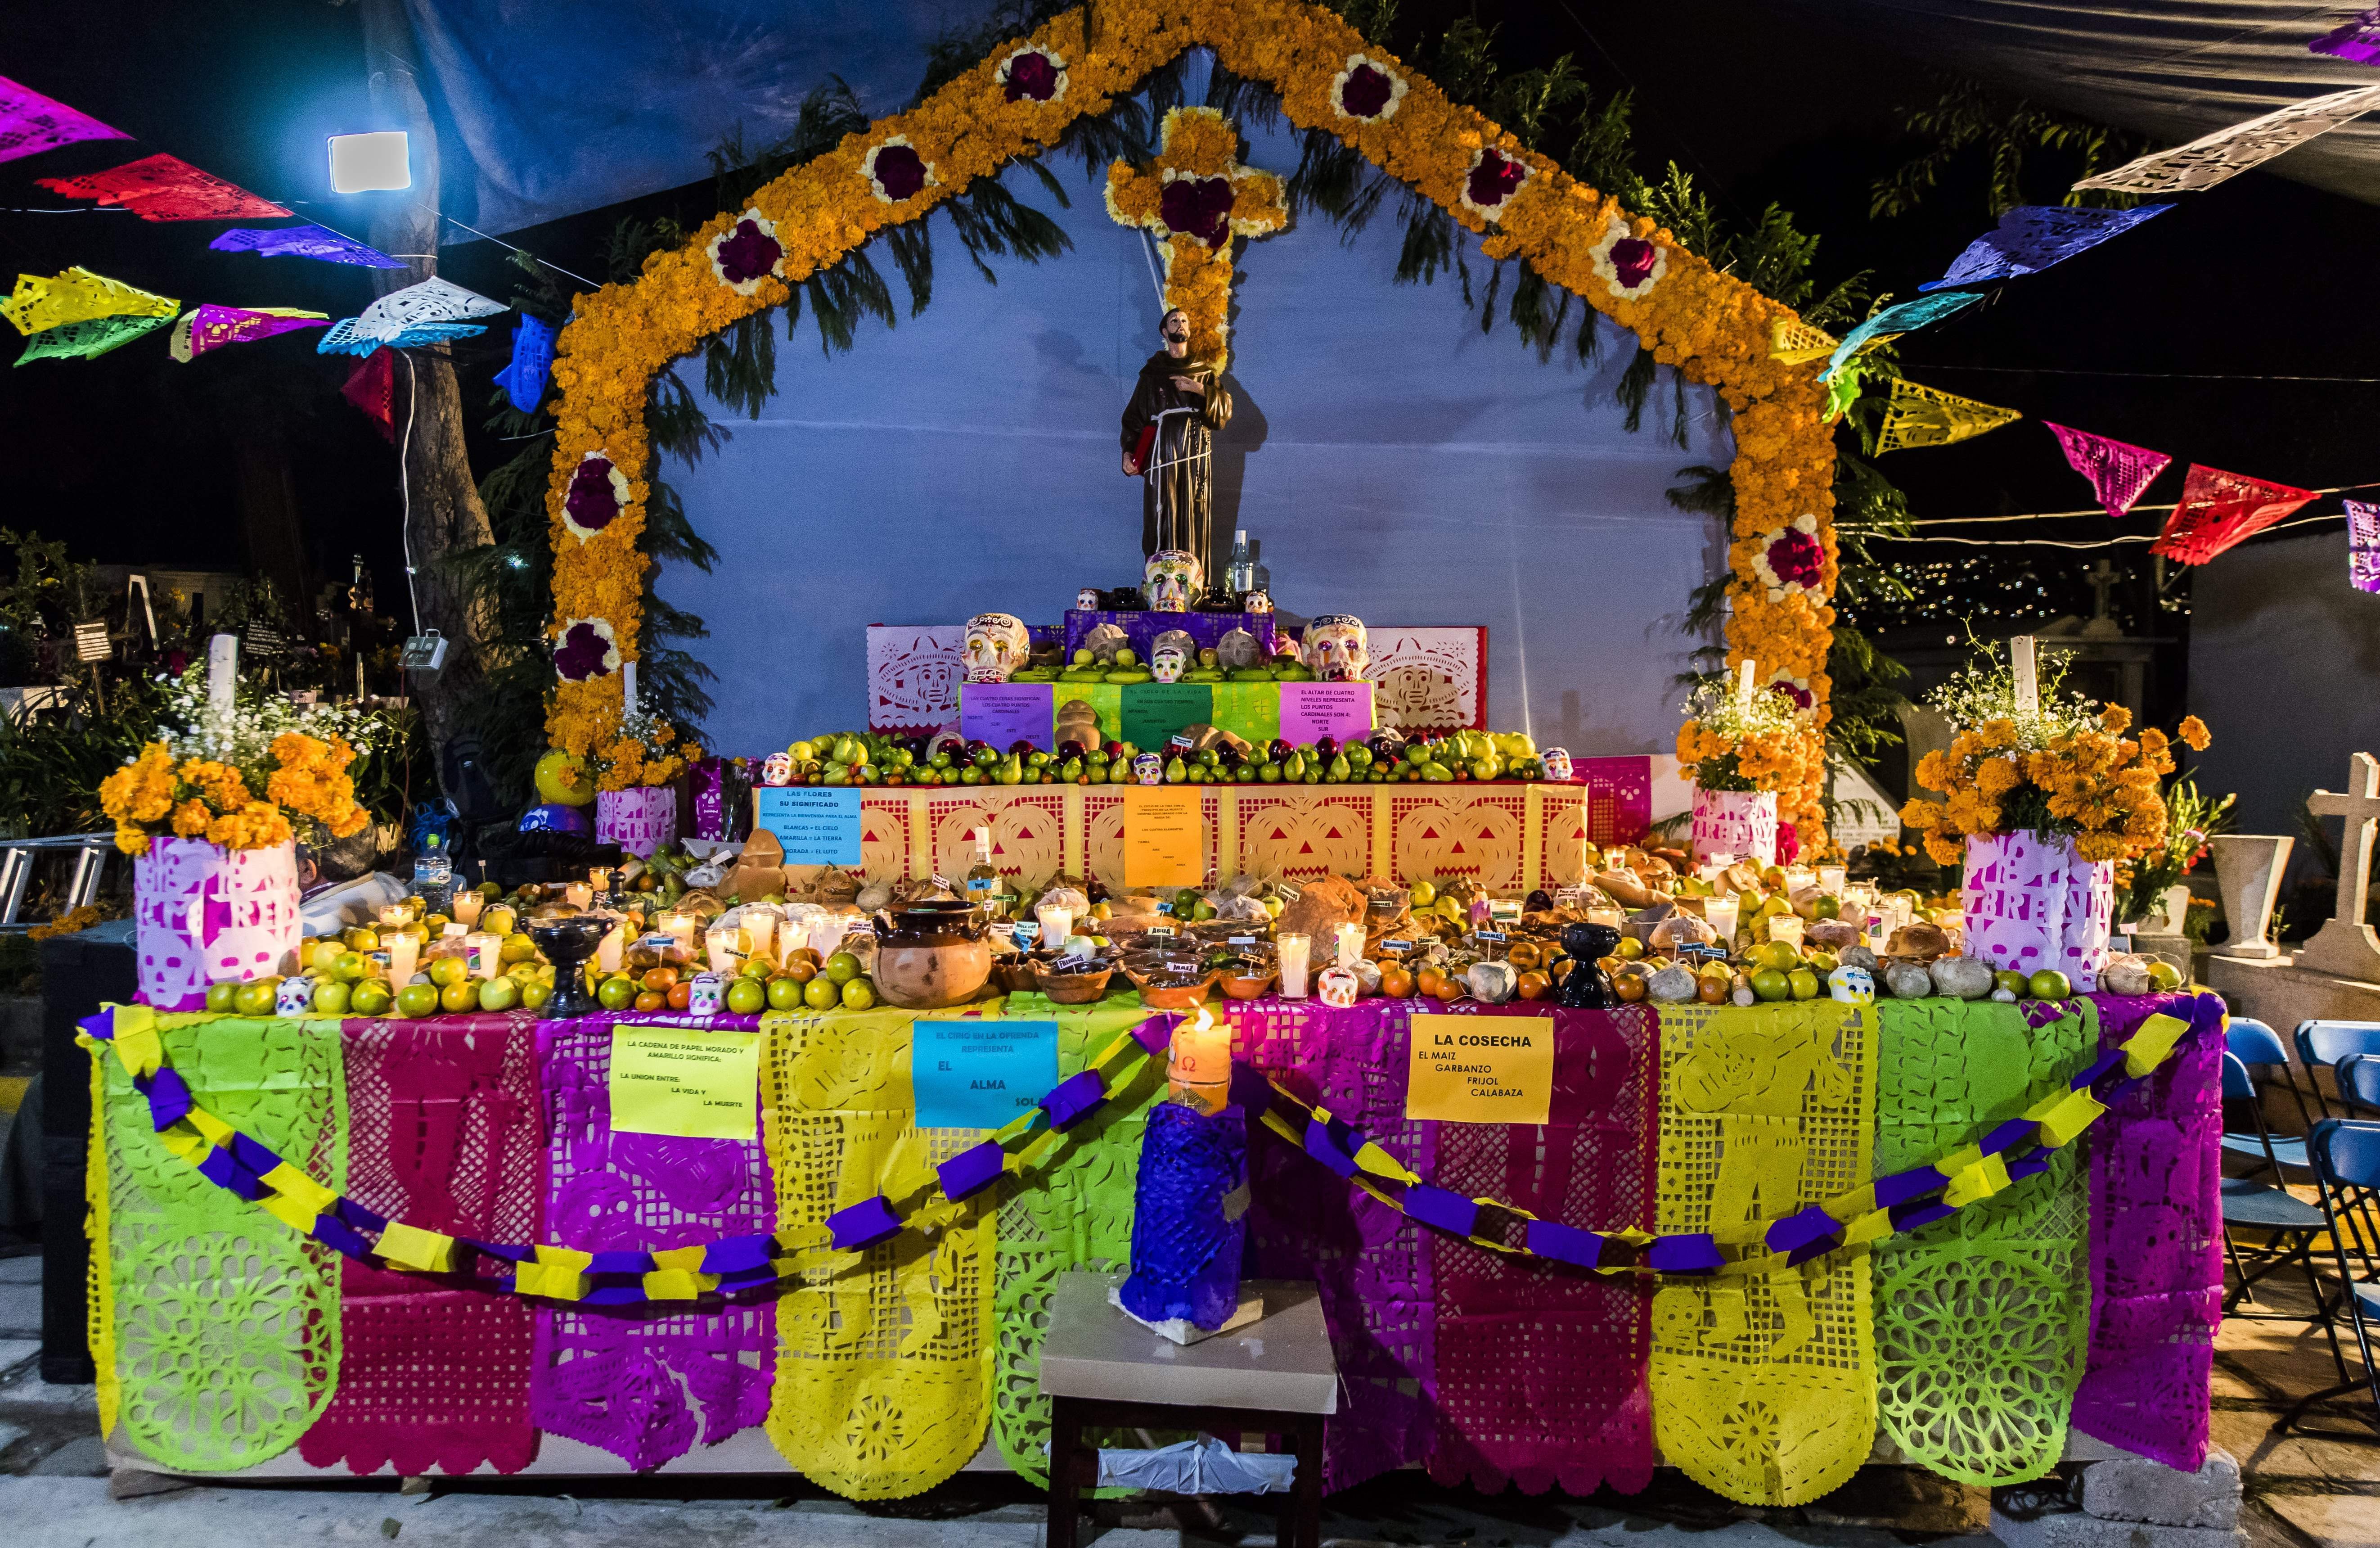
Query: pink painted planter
(641, 819)
(1738, 822)
(2031, 903)
(204, 912)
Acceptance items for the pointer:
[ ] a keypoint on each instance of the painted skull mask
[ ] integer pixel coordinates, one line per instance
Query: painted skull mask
(1255, 601)
(1086, 600)
(1335, 649)
(1171, 580)
(1169, 654)
(777, 769)
(1556, 763)
(1148, 768)
(1851, 985)
(996, 646)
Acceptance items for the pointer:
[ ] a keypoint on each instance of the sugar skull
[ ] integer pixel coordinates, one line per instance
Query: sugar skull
(1851, 986)
(1237, 650)
(1171, 581)
(1148, 768)
(1338, 987)
(1556, 763)
(996, 646)
(294, 996)
(777, 769)
(1335, 651)
(1170, 653)
(707, 996)
(1088, 600)
(1255, 601)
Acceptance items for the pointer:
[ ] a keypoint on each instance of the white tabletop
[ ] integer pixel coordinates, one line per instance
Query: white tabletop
(1282, 1363)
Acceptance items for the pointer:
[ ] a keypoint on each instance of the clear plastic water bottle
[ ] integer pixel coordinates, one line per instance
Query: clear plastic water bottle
(433, 872)
(1240, 575)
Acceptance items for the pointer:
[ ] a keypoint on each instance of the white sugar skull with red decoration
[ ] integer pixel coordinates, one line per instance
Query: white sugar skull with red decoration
(1170, 581)
(1336, 648)
(996, 646)
(1170, 653)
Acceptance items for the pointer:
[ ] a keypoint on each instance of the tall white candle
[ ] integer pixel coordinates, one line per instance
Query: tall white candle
(1744, 686)
(2028, 687)
(628, 688)
(223, 678)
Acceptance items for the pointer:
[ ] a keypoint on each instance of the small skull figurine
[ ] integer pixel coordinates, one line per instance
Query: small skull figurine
(1556, 763)
(1088, 600)
(1335, 650)
(1851, 985)
(1238, 650)
(1148, 768)
(293, 996)
(996, 646)
(1171, 580)
(1338, 987)
(1255, 601)
(1168, 655)
(777, 769)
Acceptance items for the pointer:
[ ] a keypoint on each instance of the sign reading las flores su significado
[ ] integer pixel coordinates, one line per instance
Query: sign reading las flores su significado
(1481, 1069)
(690, 1084)
(816, 825)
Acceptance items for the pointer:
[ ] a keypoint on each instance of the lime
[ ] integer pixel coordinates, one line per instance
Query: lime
(330, 997)
(745, 996)
(448, 971)
(417, 999)
(858, 994)
(1769, 983)
(221, 995)
(822, 993)
(1827, 906)
(2164, 974)
(2014, 982)
(2049, 984)
(500, 994)
(369, 998)
(1424, 894)
(535, 993)
(616, 991)
(1777, 954)
(459, 997)
(785, 993)
(348, 965)
(1804, 982)
(360, 939)
(255, 997)
(843, 967)
(320, 955)
(1629, 949)
(517, 948)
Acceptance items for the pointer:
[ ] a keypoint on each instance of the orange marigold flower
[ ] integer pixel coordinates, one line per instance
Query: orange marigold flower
(191, 818)
(2194, 733)
(2114, 718)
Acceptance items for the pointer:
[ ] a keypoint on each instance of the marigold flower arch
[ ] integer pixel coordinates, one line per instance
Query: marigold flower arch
(1711, 326)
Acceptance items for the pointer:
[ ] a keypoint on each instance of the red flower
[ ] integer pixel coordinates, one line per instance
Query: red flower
(1495, 179)
(1632, 259)
(1199, 207)
(1796, 557)
(1367, 91)
(591, 502)
(1030, 75)
(1789, 844)
(900, 171)
(580, 654)
(747, 254)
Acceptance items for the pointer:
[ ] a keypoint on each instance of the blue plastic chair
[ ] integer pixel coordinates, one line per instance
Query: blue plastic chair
(2321, 1045)
(2258, 1047)
(2346, 1156)
(2289, 1224)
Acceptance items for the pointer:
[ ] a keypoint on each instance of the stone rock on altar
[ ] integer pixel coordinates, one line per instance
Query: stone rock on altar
(1237, 650)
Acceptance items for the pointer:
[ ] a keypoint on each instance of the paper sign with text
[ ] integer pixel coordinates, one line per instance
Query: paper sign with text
(1312, 711)
(1153, 711)
(1162, 846)
(1006, 713)
(693, 1085)
(816, 825)
(1481, 1069)
(980, 1073)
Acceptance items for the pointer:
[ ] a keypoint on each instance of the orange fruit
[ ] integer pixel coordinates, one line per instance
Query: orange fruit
(1428, 978)
(1630, 987)
(1558, 967)
(651, 999)
(802, 953)
(800, 968)
(680, 994)
(658, 980)
(1524, 954)
(1711, 989)
(1535, 985)
(1395, 983)
(1449, 989)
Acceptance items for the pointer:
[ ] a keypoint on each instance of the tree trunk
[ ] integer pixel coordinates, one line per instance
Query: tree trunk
(444, 515)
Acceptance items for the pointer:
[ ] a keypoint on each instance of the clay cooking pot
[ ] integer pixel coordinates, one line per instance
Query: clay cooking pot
(931, 955)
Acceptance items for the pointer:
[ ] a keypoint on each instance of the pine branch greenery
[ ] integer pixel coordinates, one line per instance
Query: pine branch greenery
(1966, 116)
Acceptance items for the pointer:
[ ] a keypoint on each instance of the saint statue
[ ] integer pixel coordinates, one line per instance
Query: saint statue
(1169, 440)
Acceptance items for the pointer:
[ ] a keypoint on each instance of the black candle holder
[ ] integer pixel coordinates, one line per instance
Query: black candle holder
(568, 944)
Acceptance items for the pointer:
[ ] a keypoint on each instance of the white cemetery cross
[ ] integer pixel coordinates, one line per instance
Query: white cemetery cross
(2347, 946)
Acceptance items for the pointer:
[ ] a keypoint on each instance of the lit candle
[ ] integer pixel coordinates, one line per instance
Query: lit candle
(1292, 949)
(1785, 927)
(578, 894)
(600, 879)
(1202, 1061)
(725, 944)
(1720, 914)
(1057, 923)
(760, 930)
(612, 947)
(2028, 687)
(396, 916)
(1744, 686)
(1830, 880)
(468, 904)
(678, 922)
(826, 935)
(485, 953)
(403, 951)
(1351, 945)
(1611, 917)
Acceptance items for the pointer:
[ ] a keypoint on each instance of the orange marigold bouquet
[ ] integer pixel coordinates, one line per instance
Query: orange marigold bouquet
(1752, 742)
(2064, 767)
(236, 780)
(644, 751)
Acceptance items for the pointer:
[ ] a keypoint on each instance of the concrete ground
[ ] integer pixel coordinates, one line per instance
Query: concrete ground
(2301, 1491)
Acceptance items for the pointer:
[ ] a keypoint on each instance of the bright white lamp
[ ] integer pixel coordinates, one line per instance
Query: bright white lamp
(370, 163)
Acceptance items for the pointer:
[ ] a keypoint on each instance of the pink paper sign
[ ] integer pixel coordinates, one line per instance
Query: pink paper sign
(1619, 797)
(1310, 712)
(1006, 713)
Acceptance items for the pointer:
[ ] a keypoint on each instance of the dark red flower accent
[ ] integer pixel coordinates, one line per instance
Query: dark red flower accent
(1796, 557)
(1030, 75)
(1198, 206)
(1632, 259)
(580, 654)
(747, 252)
(900, 171)
(1802, 697)
(591, 502)
(1789, 844)
(1367, 91)
(1495, 179)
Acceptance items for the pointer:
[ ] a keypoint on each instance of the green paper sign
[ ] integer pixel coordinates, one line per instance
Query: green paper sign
(1153, 711)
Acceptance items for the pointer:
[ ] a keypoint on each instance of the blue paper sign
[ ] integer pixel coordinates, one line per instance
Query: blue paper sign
(816, 825)
(980, 1074)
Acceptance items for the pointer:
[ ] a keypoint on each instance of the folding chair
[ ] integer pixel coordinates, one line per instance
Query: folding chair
(2290, 1222)
(2258, 1047)
(2321, 1045)
(2346, 1155)
(2357, 1077)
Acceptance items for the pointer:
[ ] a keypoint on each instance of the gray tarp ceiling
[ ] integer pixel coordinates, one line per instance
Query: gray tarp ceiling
(564, 108)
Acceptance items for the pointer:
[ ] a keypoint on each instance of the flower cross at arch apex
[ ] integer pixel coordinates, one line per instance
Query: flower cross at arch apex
(1195, 195)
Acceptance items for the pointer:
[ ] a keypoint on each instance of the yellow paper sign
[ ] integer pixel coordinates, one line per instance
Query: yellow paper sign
(1161, 842)
(693, 1085)
(1481, 1069)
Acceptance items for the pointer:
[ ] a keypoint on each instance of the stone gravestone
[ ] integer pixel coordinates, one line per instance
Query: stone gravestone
(2346, 945)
